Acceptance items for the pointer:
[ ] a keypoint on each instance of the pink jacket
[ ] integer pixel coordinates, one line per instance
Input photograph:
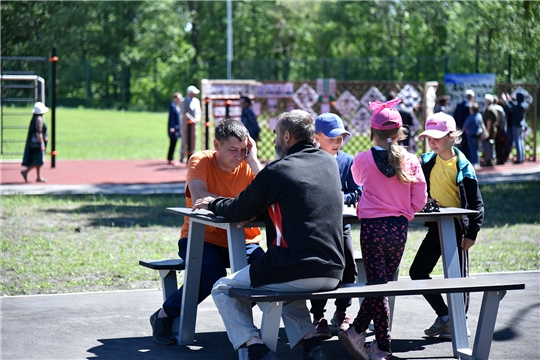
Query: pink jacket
(383, 196)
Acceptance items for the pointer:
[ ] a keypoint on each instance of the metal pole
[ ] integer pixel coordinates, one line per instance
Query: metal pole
(53, 60)
(229, 40)
(509, 68)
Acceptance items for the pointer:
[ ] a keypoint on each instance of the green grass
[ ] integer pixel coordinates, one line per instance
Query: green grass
(86, 134)
(83, 134)
(58, 244)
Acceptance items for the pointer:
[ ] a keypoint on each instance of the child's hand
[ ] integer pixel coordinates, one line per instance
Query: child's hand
(466, 244)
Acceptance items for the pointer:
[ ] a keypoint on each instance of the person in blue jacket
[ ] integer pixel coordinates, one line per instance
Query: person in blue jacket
(452, 181)
(329, 134)
(173, 126)
(249, 119)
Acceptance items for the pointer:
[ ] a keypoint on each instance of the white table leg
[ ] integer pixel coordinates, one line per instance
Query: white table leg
(486, 324)
(456, 306)
(237, 247)
(192, 278)
(270, 323)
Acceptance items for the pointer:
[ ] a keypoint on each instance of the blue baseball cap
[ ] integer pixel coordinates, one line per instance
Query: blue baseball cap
(330, 125)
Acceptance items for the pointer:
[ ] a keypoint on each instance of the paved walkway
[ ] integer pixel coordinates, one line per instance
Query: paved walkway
(155, 176)
(114, 325)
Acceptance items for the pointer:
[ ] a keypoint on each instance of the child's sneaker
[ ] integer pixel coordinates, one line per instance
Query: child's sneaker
(322, 329)
(375, 354)
(341, 320)
(439, 327)
(354, 343)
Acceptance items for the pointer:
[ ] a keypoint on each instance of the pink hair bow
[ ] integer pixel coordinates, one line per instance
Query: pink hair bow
(377, 106)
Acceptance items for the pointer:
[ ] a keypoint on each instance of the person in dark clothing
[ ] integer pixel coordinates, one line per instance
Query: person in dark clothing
(502, 141)
(329, 134)
(173, 125)
(518, 108)
(249, 119)
(36, 143)
(300, 197)
(461, 114)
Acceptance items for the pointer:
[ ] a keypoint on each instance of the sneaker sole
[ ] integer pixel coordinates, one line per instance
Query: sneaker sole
(346, 342)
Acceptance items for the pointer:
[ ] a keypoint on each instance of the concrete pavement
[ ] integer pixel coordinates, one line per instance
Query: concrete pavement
(114, 325)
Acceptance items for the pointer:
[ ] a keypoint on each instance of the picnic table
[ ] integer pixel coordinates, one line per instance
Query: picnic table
(237, 256)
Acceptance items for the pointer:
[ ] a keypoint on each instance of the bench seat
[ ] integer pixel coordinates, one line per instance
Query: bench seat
(492, 286)
(167, 271)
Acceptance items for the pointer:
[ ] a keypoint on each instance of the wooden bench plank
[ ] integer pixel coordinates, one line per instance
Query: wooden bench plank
(393, 288)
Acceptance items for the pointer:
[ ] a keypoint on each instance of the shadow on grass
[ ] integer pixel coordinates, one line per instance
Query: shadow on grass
(124, 211)
(511, 203)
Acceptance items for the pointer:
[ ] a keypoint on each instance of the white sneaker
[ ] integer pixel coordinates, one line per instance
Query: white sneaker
(375, 354)
(354, 343)
(439, 327)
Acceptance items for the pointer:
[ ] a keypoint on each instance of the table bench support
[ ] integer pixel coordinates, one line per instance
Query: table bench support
(192, 279)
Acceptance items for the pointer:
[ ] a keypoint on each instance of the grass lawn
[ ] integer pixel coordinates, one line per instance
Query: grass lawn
(88, 134)
(58, 244)
(85, 134)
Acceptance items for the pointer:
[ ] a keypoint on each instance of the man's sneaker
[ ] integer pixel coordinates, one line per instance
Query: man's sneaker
(448, 335)
(162, 329)
(375, 354)
(439, 327)
(341, 320)
(354, 343)
(322, 329)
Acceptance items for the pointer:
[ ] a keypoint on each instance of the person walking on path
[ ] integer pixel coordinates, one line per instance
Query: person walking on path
(300, 198)
(224, 171)
(452, 181)
(173, 125)
(394, 189)
(329, 133)
(36, 143)
(191, 116)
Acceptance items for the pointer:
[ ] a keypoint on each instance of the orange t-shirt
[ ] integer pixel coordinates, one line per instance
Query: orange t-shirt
(203, 166)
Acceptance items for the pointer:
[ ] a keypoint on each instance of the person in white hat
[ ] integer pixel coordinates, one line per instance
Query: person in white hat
(461, 114)
(191, 115)
(36, 143)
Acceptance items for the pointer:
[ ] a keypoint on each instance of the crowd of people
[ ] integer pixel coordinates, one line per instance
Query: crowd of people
(301, 196)
(489, 136)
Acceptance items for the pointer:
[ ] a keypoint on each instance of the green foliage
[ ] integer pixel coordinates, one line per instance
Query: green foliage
(135, 54)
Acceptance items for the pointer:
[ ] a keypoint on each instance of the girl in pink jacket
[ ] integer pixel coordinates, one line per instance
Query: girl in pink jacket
(394, 189)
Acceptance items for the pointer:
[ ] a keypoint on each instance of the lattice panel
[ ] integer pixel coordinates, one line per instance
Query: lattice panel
(359, 89)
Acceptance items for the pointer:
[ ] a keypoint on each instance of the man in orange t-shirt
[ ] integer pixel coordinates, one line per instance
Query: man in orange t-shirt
(224, 171)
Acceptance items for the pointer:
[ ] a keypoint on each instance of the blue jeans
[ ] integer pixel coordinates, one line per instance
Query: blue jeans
(215, 262)
(519, 142)
(472, 142)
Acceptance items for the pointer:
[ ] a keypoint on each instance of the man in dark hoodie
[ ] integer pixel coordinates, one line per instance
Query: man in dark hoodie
(519, 123)
(300, 197)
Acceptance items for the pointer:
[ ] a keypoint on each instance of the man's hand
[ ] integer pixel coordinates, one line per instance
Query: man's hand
(251, 152)
(202, 203)
(466, 244)
(251, 156)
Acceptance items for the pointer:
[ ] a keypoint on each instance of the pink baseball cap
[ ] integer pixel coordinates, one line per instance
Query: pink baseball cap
(384, 113)
(439, 125)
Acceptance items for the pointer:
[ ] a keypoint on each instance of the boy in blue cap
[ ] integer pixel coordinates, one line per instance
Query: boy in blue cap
(329, 134)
